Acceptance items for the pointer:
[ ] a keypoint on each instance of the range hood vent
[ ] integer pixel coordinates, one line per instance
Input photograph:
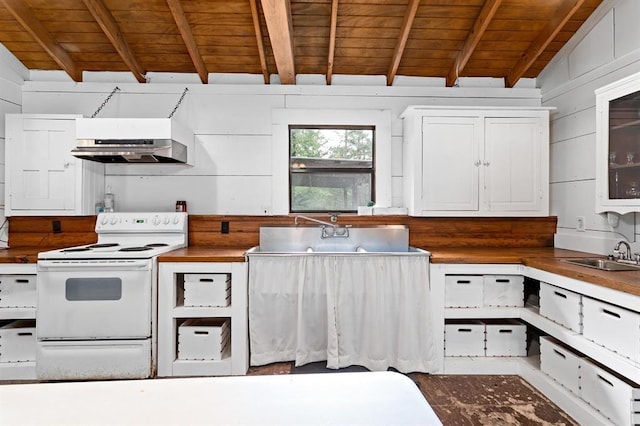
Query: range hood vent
(133, 140)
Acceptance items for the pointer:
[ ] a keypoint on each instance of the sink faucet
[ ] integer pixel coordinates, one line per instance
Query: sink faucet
(623, 256)
(310, 219)
(328, 229)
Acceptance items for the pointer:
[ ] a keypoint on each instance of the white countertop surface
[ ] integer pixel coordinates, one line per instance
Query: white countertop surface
(369, 398)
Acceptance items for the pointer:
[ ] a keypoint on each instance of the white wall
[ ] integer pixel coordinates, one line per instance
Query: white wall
(12, 75)
(233, 123)
(605, 49)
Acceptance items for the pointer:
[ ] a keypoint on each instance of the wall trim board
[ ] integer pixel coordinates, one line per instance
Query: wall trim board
(233, 89)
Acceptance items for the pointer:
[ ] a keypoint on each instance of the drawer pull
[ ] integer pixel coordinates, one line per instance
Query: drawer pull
(505, 331)
(604, 380)
(464, 330)
(22, 281)
(564, 296)
(502, 280)
(201, 332)
(463, 282)
(560, 354)
(24, 333)
(613, 314)
(206, 280)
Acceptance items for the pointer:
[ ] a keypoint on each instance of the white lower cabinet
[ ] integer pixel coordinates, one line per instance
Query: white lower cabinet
(588, 357)
(614, 397)
(613, 327)
(561, 306)
(17, 321)
(560, 363)
(202, 319)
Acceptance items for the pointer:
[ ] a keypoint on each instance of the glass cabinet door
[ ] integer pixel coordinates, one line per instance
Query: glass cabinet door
(618, 146)
(624, 147)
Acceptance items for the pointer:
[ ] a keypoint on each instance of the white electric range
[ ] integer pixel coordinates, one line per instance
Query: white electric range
(96, 315)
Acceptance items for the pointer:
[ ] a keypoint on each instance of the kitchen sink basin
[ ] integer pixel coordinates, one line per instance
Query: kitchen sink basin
(603, 264)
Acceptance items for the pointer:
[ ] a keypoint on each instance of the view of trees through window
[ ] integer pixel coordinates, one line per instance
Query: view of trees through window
(331, 168)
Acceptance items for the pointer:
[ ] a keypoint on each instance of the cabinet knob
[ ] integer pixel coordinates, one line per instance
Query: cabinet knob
(486, 163)
(66, 164)
(477, 163)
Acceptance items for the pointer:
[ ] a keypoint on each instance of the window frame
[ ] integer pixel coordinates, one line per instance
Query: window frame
(281, 118)
(371, 171)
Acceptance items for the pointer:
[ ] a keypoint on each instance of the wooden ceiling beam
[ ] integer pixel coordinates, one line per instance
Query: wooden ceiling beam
(34, 27)
(409, 16)
(277, 14)
(332, 39)
(485, 16)
(110, 27)
(185, 31)
(564, 12)
(259, 41)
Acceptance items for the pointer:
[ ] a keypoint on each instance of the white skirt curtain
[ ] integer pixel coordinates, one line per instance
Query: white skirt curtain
(368, 310)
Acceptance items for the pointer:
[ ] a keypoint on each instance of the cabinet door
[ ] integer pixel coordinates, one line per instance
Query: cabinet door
(42, 175)
(618, 146)
(450, 160)
(511, 164)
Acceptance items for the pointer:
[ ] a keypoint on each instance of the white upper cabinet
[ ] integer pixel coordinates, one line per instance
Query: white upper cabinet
(618, 146)
(42, 177)
(476, 162)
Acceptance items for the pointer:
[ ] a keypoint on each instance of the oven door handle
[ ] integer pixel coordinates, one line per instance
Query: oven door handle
(76, 265)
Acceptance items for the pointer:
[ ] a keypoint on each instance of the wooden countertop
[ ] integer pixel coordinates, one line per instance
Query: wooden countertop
(22, 254)
(204, 254)
(545, 258)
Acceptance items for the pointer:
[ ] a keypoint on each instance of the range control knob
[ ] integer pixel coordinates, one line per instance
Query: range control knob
(176, 219)
(114, 220)
(104, 220)
(167, 219)
(156, 220)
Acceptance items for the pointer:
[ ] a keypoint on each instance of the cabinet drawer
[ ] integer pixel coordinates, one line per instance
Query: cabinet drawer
(203, 339)
(614, 397)
(615, 328)
(503, 290)
(18, 341)
(207, 290)
(463, 291)
(17, 291)
(506, 338)
(561, 306)
(560, 363)
(464, 338)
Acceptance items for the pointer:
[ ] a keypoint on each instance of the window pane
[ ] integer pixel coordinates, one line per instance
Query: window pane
(331, 168)
(329, 191)
(335, 144)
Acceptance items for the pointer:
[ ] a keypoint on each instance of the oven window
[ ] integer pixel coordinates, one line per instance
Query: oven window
(93, 289)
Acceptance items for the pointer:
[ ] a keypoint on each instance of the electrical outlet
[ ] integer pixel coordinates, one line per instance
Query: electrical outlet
(224, 227)
(580, 224)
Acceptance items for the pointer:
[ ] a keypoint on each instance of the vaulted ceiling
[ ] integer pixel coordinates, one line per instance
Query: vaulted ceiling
(508, 39)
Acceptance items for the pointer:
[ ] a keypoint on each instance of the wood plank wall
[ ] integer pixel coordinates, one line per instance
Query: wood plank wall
(206, 230)
(39, 231)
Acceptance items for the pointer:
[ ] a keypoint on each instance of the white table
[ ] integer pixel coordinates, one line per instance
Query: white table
(371, 398)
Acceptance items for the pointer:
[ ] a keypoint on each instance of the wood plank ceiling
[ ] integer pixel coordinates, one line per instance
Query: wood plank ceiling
(508, 39)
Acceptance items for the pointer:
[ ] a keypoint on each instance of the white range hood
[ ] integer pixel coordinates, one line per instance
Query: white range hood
(133, 140)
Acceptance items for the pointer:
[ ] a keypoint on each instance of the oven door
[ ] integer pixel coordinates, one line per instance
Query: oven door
(94, 299)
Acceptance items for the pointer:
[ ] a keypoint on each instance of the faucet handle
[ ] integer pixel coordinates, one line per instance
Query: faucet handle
(636, 257)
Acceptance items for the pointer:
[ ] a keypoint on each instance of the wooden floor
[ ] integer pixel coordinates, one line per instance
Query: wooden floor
(465, 400)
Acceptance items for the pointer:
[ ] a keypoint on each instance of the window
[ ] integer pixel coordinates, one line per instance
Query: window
(331, 168)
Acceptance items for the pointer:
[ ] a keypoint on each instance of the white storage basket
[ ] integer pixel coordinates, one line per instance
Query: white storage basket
(203, 339)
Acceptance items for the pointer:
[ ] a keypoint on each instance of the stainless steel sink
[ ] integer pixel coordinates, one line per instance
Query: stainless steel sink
(603, 264)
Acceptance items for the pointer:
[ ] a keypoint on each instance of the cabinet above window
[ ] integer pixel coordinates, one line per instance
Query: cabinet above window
(476, 161)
